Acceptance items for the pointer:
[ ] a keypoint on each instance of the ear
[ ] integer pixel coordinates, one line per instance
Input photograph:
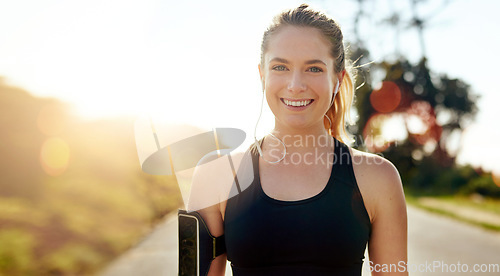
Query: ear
(261, 74)
(340, 77)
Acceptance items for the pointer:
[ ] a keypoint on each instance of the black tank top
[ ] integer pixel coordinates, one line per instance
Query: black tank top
(322, 235)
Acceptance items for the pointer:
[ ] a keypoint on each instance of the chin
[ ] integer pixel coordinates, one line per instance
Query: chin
(294, 123)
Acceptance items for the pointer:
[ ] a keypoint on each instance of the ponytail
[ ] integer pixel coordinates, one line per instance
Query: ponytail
(339, 112)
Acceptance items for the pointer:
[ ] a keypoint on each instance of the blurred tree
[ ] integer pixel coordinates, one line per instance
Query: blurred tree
(425, 111)
(441, 106)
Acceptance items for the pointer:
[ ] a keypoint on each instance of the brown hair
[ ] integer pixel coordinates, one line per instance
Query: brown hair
(304, 16)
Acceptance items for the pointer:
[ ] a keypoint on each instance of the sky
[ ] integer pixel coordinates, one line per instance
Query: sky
(195, 62)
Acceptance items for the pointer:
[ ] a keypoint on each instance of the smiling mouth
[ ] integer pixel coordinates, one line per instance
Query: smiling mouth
(297, 103)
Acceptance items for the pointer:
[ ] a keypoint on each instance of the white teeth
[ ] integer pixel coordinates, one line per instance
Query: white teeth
(297, 103)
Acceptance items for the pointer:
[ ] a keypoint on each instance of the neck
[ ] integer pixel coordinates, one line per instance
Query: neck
(303, 139)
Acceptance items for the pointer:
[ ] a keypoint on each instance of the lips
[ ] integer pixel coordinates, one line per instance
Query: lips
(296, 102)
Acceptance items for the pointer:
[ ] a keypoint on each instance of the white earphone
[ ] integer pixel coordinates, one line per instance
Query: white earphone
(336, 89)
(335, 92)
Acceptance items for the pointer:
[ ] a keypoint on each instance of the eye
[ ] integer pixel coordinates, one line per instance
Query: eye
(315, 69)
(279, 68)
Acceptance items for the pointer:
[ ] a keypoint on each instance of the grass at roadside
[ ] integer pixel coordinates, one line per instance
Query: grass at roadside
(476, 210)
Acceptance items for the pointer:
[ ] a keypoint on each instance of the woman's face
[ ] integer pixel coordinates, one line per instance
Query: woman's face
(298, 77)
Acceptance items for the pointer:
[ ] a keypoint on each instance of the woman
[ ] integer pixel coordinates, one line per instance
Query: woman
(314, 203)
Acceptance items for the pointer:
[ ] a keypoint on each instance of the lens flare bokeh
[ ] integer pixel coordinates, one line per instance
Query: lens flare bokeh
(387, 98)
(54, 156)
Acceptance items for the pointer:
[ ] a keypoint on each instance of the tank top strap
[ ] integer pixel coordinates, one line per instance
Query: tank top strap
(343, 162)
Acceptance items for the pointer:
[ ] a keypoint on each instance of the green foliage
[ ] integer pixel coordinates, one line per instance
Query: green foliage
(22, 211)
(452, 179)
(431, 178)
(424, 174)
(482, 185)
(72, 258)
(16, 251)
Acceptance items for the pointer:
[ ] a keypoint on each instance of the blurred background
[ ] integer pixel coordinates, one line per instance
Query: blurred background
(75, 75)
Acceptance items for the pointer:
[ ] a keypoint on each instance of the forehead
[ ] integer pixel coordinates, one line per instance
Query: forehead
(298, 43)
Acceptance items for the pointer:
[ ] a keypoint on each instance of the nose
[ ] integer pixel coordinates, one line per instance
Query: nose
(296, 82)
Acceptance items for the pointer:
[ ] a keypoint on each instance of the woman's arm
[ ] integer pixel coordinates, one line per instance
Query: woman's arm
(382, 192)
(388, 242)
(213, 219)
(208, 186)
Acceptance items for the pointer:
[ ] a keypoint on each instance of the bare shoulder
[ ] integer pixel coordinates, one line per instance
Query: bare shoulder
(375, 167)
(378, 181)
(210, 185)
(212, 180)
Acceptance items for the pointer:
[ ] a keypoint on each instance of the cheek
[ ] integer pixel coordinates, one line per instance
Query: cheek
(323, 86)
(274, 83)
(271, 98)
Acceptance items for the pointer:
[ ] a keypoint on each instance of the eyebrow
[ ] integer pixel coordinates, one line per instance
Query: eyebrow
(282, 60)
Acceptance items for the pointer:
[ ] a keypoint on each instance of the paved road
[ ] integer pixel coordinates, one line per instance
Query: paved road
(434, 242)
(433, 237)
